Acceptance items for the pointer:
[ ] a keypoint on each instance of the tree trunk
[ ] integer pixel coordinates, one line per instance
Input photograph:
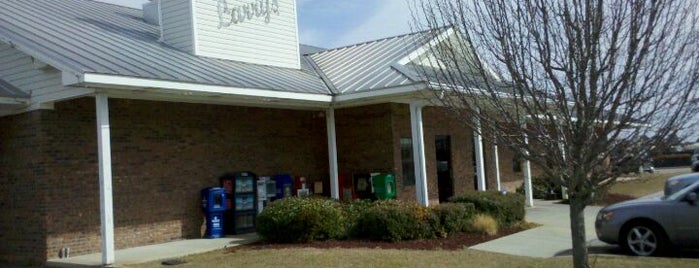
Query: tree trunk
(577, 227)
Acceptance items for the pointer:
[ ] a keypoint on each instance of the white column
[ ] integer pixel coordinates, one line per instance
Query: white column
(478, 147)
(528, 195)
(419, 153)
(564, 189)
(104, 153)
(496, 160)
(332, 153)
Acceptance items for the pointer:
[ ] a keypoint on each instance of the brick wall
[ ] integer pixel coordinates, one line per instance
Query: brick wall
(436, 121)
(364, 139)
(439, 121)
(22, 199)
(163, 153)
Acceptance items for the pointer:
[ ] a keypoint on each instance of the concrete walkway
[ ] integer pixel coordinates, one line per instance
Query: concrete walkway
(551, 239)
(164, 251)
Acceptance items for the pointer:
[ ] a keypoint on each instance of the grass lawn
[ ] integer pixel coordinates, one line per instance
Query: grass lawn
(311, 257)
(645, 185)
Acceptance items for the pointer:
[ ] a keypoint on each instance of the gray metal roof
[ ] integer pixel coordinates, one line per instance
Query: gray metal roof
(92, 37)
(10, 91)
(369, 66)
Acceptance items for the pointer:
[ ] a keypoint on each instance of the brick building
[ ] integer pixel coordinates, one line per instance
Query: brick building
(112, 119)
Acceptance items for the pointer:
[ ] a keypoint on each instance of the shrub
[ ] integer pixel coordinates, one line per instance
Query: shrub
(484, 224)
(543, 188)
(506, 209)
(353, 210)
(293, 220)
(392, 220)
(454, 217)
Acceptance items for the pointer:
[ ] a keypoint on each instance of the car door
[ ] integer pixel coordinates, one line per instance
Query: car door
(687, 221)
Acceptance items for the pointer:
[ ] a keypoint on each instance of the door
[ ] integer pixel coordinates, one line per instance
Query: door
(445, 183)
(686, 217)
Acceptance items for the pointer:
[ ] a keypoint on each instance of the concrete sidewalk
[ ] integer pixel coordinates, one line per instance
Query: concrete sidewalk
(551, 239)
(164, 251)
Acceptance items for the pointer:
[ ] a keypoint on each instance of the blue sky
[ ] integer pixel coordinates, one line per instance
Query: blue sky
(334, 23)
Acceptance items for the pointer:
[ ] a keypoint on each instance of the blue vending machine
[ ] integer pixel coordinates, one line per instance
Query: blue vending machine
(213, 204)
(285, 186)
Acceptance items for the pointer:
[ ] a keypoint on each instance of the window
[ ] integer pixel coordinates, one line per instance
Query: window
(406, 155)
(516, 164)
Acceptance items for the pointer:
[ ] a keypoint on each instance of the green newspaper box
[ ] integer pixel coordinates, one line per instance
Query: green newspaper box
(384, 186)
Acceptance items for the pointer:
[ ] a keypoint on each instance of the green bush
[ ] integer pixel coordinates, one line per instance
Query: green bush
(293, 220)
(507, 209)
(454, 217)
(392, 220)
(353, 210)
(543, 188)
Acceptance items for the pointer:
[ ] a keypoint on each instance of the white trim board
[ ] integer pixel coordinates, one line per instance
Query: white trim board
(103, 80)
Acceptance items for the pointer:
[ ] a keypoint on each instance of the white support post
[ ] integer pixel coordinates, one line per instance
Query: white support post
(564, 189)
(104, 152)
(528, 195)
(419, 153)
(496, 160)
(478, 146)
(332, 153)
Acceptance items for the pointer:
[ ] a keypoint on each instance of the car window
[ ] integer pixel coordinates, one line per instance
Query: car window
(694, 187)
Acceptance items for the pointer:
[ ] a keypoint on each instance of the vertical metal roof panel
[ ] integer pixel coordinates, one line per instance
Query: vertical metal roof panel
(367, 66)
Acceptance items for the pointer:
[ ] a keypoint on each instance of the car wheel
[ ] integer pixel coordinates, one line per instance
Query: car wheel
(643, 239)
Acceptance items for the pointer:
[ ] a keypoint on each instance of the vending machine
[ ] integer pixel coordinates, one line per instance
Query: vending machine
(363, 187)
(262, 192)
(285, 186)
(213, 205)
(241, 190)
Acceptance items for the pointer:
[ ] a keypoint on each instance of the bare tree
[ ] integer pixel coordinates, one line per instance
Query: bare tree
(576, 87)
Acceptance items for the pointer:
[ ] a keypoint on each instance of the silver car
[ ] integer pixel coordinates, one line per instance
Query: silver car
(679, 182)
(647, 227)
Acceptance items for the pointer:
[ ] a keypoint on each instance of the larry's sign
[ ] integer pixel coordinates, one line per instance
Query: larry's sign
(228, 15)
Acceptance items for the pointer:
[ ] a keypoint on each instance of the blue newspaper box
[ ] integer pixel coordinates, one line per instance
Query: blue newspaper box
(285, 185)
(213, 204)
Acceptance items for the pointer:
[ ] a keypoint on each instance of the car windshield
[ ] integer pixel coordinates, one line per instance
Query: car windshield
(681, 193)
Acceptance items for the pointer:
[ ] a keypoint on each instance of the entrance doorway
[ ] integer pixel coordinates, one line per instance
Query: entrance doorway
(445, 183)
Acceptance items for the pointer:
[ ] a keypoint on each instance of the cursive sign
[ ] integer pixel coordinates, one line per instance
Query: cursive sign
(238, 14)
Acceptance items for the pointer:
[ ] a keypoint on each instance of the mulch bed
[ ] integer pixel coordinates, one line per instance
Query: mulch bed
(611, 198)
(454, 242)
(608, 199)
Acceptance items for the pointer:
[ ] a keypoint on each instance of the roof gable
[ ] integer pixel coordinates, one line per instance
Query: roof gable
(368, 66)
